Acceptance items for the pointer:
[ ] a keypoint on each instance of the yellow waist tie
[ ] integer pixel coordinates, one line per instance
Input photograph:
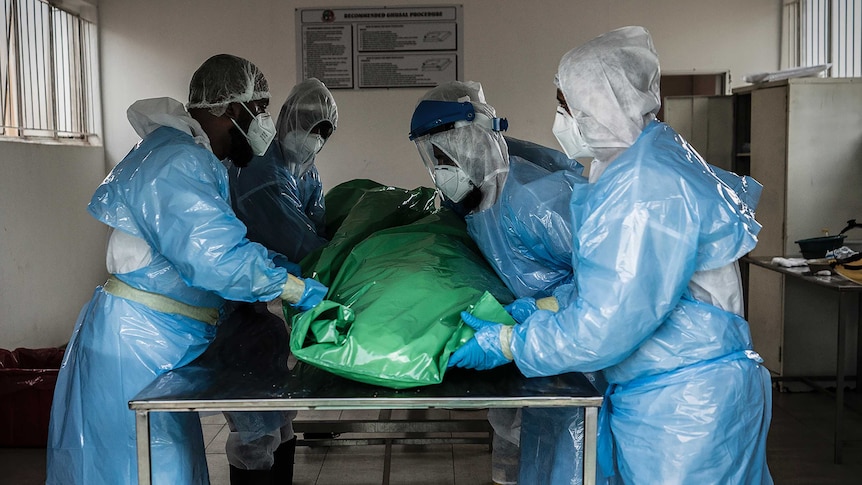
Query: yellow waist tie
(160, 303)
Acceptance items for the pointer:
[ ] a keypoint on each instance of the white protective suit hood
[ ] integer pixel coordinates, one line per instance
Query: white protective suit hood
(308, 104)
(611, 86)
(148, 115)
(480, 152)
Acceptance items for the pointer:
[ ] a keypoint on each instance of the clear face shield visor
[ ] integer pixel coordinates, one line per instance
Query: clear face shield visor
(462, 148)
(449, 178)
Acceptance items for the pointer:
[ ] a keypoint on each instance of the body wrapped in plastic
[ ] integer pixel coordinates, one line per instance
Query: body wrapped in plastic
(399, 275)
(171, 194)
(689, 401)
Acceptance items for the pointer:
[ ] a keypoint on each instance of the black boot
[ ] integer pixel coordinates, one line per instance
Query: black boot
(282, 467)
(238, 476)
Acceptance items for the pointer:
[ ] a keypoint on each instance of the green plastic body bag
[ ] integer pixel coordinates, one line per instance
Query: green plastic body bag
(399, 274)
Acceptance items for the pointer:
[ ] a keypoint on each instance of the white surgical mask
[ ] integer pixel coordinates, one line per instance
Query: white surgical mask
(453, 183)
(569, 136)
(261, 131)
(303, 147)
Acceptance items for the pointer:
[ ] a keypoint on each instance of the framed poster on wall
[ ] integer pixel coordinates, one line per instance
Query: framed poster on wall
(380, 47)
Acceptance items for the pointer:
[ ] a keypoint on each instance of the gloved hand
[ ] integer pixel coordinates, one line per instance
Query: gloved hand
(488, 348)
(303, 294)
(548, 303)
(522, 308)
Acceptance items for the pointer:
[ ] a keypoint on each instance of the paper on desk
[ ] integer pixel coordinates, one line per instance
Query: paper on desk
(790, 262)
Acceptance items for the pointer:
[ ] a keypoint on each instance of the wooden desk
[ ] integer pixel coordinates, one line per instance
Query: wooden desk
(849, 293)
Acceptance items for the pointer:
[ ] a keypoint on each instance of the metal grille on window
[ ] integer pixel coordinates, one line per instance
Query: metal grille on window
(824, 32)
(49, 73)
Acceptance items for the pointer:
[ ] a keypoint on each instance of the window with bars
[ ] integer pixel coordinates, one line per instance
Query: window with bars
(49, 74)
(823, 32)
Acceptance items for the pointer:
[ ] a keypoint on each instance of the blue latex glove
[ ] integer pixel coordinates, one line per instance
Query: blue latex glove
(312, 295)
(522, 308)
(483, 351)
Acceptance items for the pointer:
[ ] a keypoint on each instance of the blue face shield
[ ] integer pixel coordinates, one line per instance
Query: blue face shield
(475, 158)
(432, 116)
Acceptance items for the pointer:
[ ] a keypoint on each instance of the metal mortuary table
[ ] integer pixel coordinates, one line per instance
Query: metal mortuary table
(204, 387)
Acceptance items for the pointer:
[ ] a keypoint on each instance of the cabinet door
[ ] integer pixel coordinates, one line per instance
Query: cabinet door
(707, 123)
(766, 315)
(769, 166)
(824, 159)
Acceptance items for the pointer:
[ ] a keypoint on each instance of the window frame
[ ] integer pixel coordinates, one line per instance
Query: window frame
(49, 74)
(816, 32)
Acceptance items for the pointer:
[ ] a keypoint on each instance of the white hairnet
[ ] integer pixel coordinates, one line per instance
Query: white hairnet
(480, 152)
(611, 85)
(223, 79)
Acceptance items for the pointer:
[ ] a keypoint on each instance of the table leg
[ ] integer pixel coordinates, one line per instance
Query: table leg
(142, 439)
(591, 426)
(844, 312)
(859, 343)
(386, 415)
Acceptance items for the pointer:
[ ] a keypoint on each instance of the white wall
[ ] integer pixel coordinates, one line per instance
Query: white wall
(151, 49)
(52, 253)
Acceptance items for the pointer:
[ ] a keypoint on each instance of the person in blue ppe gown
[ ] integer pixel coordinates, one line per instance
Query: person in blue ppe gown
(176, 253)
(514, 196)
(656, 300)
(279, 197)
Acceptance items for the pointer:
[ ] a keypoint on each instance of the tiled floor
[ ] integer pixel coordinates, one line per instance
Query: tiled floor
(799, 452)
(435, 464)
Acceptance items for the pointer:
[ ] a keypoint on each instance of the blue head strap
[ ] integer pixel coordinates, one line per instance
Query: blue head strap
(433, 116)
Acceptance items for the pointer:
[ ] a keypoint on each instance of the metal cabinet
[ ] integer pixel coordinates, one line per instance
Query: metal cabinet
(706, 122)
(801, 139)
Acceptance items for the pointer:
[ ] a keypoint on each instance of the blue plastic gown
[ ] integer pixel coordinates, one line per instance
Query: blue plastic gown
(173, 194)
(527, 238)
(526, 235)
(282, 212)
(313, 202)
(689, 401)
